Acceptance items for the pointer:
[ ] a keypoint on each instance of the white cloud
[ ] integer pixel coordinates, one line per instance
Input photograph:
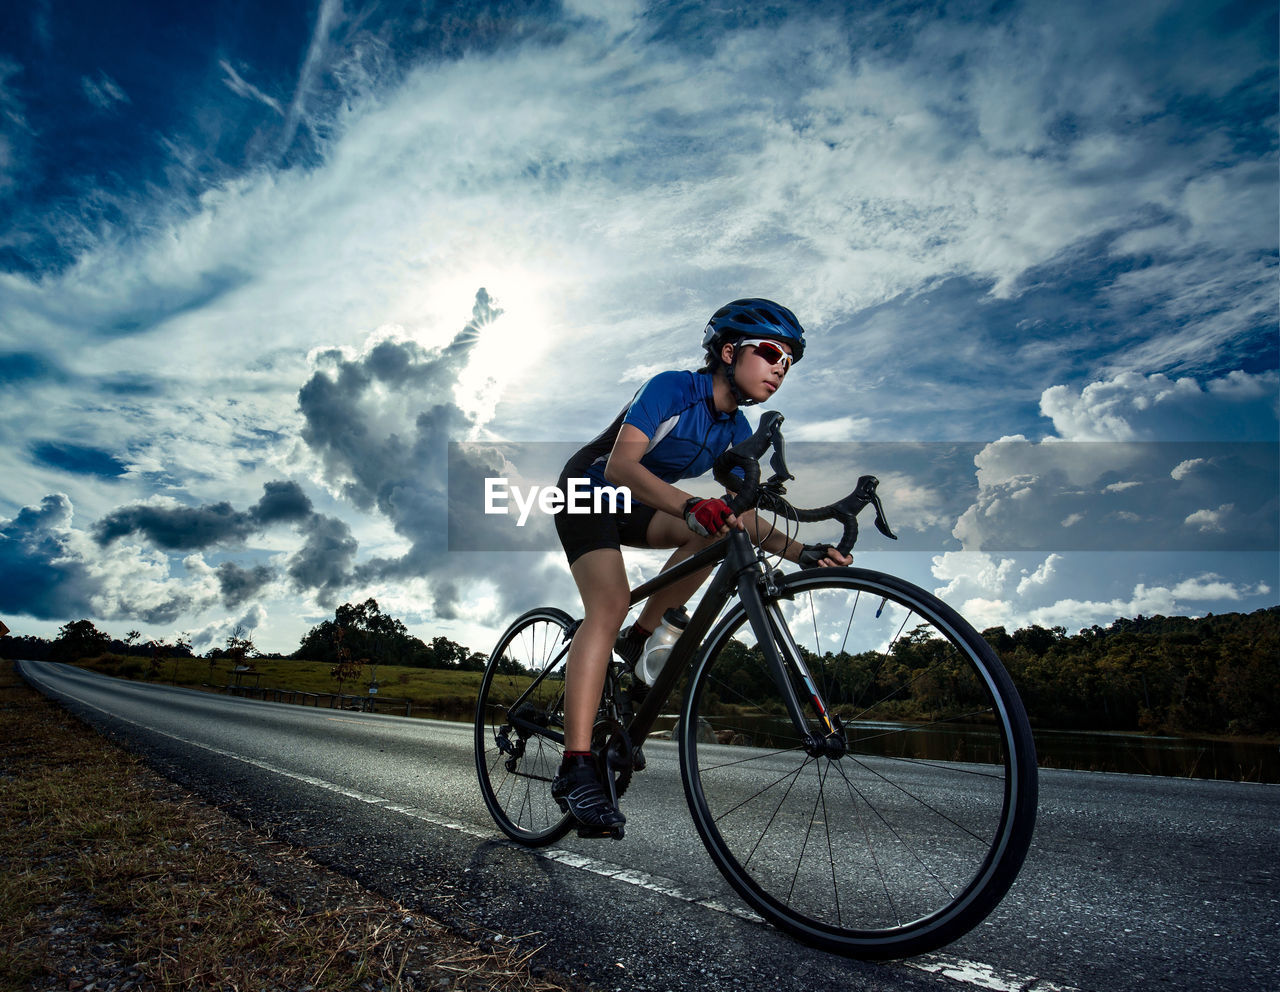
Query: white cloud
(846, 428)
(1133, 407)
(1208, 587)
(103, 92)
(241, 87)
(1040, 577)
(1181, 598)
(983, 613)
(132, 581)
(1125, 427)
(971, 575)
(1185, 468)
(1210, 521)
(328, 13)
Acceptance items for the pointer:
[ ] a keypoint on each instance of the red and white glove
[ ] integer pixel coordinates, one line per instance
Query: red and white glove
(706, 516)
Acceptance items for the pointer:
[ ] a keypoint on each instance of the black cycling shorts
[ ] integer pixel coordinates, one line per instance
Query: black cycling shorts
(583, 532)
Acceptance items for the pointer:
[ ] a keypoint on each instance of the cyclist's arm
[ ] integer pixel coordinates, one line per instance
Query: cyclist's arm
(624, 469)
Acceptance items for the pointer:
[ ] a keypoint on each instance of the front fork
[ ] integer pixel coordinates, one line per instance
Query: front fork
(760, 591)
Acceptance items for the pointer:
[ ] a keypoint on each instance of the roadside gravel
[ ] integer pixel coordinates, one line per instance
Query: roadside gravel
(113, 878)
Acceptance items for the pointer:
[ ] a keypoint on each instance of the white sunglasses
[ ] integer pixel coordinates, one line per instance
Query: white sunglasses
(769, 351)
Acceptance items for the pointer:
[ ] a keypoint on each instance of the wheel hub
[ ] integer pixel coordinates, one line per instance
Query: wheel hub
(833, 746)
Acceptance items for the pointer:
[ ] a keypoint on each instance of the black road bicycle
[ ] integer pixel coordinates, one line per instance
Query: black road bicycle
(856, 759)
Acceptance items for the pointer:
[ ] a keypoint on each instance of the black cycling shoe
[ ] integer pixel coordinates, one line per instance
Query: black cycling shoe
(578, 792)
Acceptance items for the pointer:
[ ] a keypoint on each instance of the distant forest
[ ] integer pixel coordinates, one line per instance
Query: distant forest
(1213, 675)
(1216, 675)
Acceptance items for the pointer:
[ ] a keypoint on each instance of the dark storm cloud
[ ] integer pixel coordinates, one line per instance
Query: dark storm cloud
(177, 529)
(239, 584)
(43, 574)
(199, 527)
(282, 502)
(402, 469)
(78, 458)
(323, 563)
(382, 427)
(39, 575)
(377, 467)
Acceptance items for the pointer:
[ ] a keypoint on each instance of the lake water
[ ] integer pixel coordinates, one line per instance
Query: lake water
(1179, 757)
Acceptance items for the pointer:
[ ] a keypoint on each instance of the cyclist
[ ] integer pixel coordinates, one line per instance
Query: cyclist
(672, 429)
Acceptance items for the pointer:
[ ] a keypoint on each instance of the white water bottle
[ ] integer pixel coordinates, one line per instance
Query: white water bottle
(658, 647)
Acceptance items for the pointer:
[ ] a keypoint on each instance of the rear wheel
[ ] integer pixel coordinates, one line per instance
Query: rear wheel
(521, 701)
(904, 829)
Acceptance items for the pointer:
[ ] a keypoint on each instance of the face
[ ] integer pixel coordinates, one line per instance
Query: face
(761, 368)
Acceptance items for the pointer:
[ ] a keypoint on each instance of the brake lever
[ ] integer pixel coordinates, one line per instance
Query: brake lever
(882, 524)
(778, 461)
(864, 494)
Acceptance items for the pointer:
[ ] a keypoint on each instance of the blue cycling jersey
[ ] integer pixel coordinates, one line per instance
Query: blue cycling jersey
(676, 411)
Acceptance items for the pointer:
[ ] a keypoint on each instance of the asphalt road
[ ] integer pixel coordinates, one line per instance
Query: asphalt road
(1132, 882)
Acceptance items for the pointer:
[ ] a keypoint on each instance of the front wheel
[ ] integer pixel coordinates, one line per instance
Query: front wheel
(521, 704)
(904, 828)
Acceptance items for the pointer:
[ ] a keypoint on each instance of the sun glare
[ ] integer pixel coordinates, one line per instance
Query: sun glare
(508, 345)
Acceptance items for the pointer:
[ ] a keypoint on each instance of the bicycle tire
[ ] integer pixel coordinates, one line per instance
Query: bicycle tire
(515, 768)
(913, 834)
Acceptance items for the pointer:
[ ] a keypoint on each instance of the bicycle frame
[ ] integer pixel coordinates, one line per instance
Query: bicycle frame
(744, 571)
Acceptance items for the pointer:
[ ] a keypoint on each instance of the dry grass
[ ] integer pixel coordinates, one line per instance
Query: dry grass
(445, 693)
(113, 878)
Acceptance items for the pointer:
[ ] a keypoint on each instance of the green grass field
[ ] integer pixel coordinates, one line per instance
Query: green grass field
(433, 692)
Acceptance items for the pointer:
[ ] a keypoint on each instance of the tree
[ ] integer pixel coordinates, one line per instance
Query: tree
(240, 645)
(347, 668)
(79, 639)
(448, 654)
(367, 633)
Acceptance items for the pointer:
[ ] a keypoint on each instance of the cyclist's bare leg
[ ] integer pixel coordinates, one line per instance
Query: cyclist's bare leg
(602, 582)
(601, 578)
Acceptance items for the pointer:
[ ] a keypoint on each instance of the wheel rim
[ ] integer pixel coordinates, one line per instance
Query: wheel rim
(905, 833)
(516, 767)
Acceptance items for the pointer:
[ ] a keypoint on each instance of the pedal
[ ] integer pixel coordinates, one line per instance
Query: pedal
(593, 833)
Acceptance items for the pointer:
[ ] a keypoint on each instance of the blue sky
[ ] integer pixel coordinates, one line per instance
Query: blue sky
(260, 264)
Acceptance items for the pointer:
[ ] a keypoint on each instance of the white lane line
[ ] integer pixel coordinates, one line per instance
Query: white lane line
(982, 976)
(971, 973)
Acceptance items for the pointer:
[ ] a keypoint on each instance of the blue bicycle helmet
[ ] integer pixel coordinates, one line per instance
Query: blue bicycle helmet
(753, 318)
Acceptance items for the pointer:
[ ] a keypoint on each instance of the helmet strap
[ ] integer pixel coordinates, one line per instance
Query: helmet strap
(730, 371)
